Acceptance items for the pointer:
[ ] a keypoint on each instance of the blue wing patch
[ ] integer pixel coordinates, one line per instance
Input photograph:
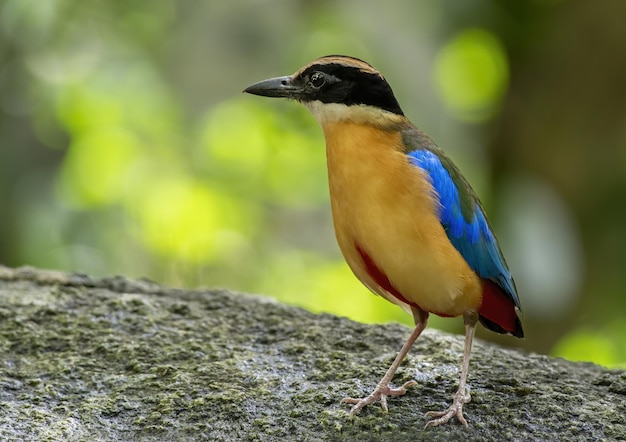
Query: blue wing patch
(469, 231)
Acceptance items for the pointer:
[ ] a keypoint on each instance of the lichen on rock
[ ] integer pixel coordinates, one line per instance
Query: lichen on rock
(117, 359)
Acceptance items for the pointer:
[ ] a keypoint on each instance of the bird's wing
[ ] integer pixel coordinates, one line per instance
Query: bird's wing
(463, 218)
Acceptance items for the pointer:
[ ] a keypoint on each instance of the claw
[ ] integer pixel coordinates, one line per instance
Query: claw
(379, 394)
(456, 409)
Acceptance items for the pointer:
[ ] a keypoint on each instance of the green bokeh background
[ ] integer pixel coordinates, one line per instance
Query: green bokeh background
(126, 146)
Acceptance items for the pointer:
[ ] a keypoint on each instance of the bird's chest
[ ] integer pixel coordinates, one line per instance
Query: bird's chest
(386, 222)
(375, 192)
(381, 203)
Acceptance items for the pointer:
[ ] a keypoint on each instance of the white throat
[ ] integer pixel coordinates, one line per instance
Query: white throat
(328, 113)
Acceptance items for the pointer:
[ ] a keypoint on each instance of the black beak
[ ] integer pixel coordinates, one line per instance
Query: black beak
(279, 87)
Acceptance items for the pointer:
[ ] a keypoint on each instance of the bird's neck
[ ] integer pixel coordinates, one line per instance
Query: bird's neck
(328, 114)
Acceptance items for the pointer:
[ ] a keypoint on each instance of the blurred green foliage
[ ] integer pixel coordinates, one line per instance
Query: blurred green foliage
(128, 148)
(601, 345)
(472, 74)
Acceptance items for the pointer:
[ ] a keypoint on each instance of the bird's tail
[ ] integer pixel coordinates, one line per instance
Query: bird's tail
(497, 311)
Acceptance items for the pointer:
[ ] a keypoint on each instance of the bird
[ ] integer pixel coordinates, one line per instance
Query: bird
(408, 224)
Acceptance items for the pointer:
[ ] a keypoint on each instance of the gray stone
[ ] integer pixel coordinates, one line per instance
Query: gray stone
(116, 359)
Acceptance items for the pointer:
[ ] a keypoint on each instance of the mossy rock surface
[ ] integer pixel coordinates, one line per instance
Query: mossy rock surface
(116, 359)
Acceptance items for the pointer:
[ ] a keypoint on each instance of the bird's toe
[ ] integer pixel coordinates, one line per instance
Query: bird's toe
(379, 394)
(456, 409)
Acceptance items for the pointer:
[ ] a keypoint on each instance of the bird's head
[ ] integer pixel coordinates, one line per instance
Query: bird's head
(336, 87)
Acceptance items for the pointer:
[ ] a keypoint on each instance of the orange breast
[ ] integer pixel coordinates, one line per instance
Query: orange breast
(384, 209)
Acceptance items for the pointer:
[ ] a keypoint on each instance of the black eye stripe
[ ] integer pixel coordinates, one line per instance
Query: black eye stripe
(349, 85)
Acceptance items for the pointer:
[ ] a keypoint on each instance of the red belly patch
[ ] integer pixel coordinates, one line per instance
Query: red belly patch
(379, 277)
(383, 281)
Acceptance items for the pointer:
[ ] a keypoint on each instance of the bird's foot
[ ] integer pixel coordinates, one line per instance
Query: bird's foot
(456, 409)
(379, 394)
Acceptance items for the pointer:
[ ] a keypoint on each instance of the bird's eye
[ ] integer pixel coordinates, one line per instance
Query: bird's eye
(317, 80)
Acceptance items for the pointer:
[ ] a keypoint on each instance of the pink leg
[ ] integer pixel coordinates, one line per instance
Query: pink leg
(462, 396)
(384, 389)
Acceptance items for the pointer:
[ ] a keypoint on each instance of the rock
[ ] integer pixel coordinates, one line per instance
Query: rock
(116, 359)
